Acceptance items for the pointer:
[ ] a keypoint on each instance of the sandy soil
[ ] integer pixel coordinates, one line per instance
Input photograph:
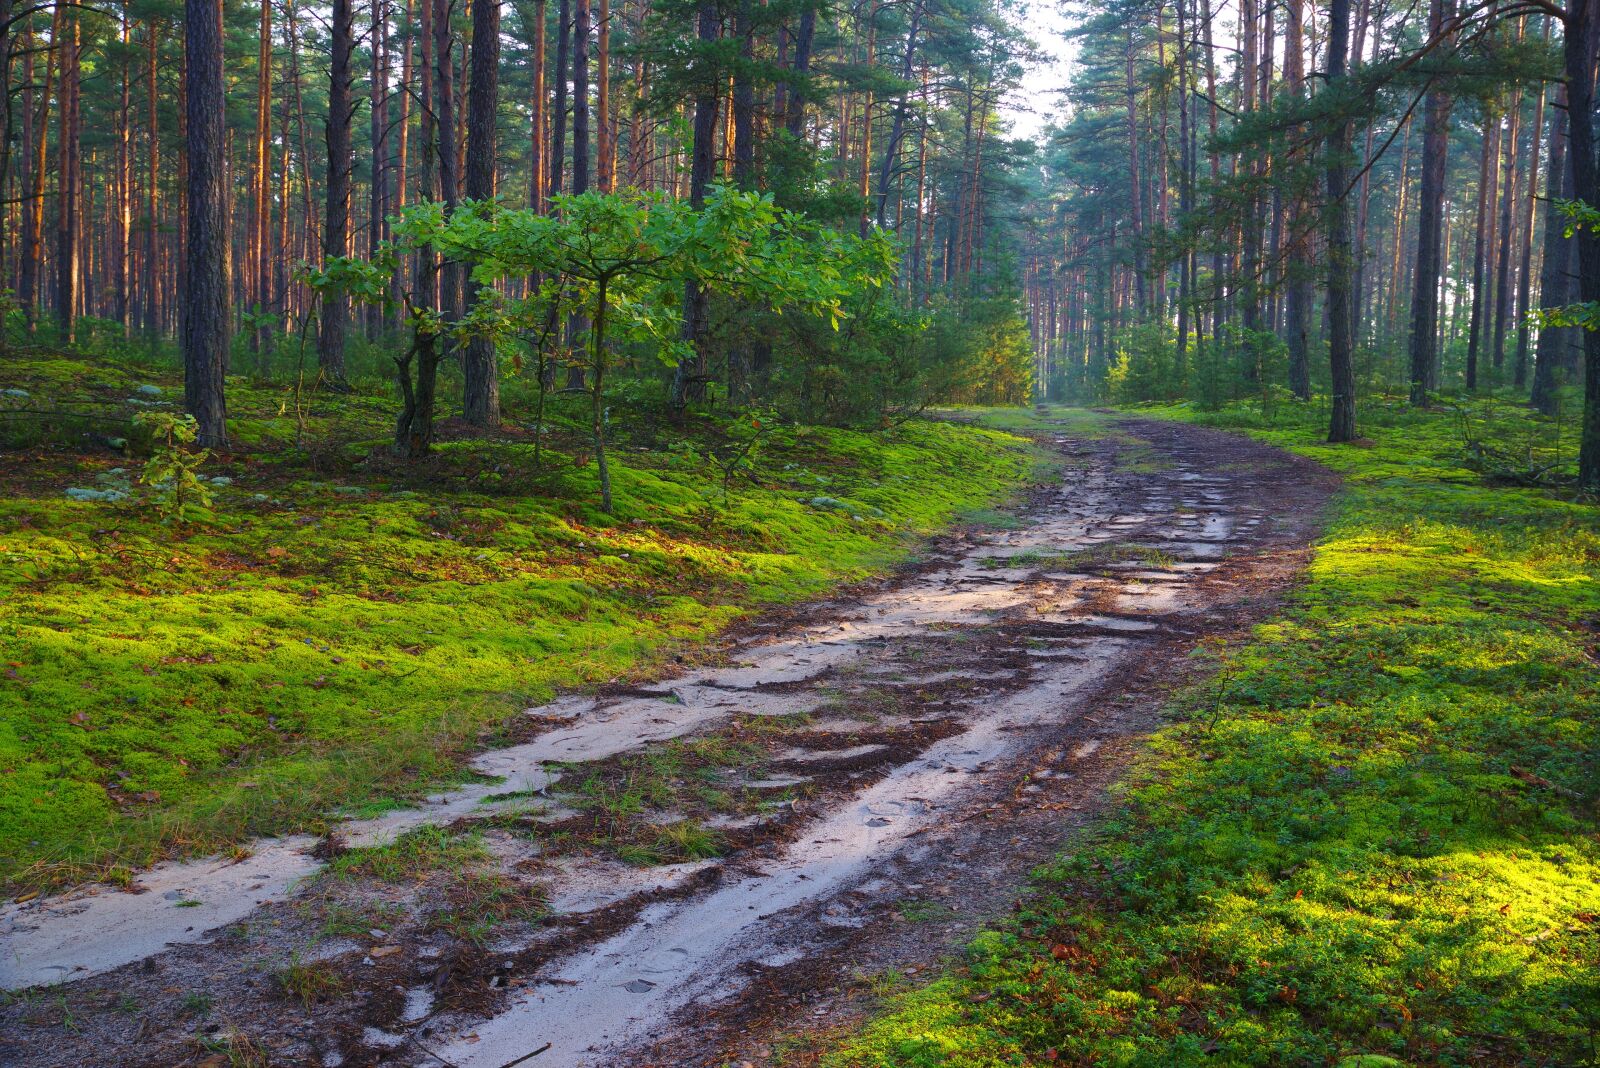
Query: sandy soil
(925, 741)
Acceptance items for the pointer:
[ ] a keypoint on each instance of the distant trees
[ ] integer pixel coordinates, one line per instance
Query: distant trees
(1286, 171)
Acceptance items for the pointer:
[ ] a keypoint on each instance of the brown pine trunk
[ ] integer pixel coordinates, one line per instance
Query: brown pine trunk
(378, 141)
(261, 337)
(537, 121)
(1525, 268)
(69, 179)
(1424, 339)
(336, 227)
(480, 366)
(121, 215)
(152, 244)
(1342, 421)
(606, 158)
(205, 281)
(1487, 172)
(1555, 281)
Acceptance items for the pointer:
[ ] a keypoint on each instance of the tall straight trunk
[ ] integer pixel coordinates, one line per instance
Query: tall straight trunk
(580, 96)
(897, 126)
(743, 101)
(1486, 196)
(205, 282)
(1430, 218)
(152, 222)
(1507, 235)
(688, 379)
(445, 147)
(1555, 280)
(1134, 194)
(805, 36)
(261, 336)
(336, 224)
(1582, 40)
(864, 172)
(558, 117)
(33, 217)
(1341, 363)
(537, 121)
(606, 140)
(378, 141)
(69, 178)
(1525, 230)
(1298, 299)
(402, 160)
(122, 214)
(480, 362)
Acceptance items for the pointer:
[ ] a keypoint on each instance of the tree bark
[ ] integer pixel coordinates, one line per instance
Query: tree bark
(205, 283)
(1424, 339)
(69, 179)
(1555, 282)
(480, 362)
(336, 225)
(1582, 30)
(688, 379)
(1342, 421)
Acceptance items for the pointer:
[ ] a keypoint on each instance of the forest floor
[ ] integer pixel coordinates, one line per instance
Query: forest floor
(780, 828)
(1369, 838)
(339, 631)
(1148, 768)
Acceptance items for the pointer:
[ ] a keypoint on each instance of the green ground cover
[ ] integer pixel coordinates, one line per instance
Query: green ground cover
(343, 628)
(1369, 839)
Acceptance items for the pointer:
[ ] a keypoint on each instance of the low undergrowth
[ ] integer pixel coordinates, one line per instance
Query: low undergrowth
(335, 630)
(1369, 839)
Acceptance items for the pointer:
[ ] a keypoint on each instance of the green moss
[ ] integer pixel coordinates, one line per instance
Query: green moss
(1373, 838)
(349, 627)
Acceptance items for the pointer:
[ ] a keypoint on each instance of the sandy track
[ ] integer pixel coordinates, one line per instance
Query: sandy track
(1038, 655)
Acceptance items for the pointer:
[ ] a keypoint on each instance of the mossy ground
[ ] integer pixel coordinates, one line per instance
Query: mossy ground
(344, 627)
(1369, 838)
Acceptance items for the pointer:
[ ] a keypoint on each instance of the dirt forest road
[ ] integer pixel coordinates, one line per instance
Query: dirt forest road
(933, 736)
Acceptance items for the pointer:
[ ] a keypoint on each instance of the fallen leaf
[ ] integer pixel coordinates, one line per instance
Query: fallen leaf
(383, 951)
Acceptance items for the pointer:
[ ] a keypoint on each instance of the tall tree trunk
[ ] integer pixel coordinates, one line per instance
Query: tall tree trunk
(580, 96)
(537, 122)
(1342, 422)
(261, 336)
(480, 366)
(743, 101)
(69, 177)
(1525, 230)
(445, 147)
(152, 222)
(805, 36)
(897, 127)
(1486, 180)
(1134, 194)
(1508, 198)
(1430, 218)
(558, 116)
(205, 281)
(122, 216)
(688, 380)
(1298, 299)
(1582, 31)
(378, 141)
(606, 140)
(1555, 281)
(336, 226)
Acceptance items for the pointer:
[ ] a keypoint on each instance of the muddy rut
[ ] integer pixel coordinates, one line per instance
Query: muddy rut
(721, 857)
